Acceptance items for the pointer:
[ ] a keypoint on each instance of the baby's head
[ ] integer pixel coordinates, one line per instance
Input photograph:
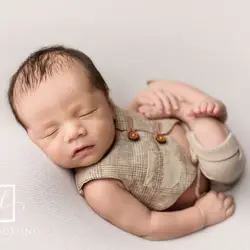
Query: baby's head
(62, 101)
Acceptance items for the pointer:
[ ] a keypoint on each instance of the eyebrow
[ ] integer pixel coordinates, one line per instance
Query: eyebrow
(76, 108)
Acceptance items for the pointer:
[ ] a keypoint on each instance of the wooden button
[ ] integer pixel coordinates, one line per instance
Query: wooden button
(161, 139)
(133, 135)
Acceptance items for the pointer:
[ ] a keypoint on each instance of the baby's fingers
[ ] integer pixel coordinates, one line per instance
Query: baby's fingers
(230, 211)
(165, 101)
(173, 101)
(143, 109)
(156, 99)
(150, 112)
(144, 100)
(229, 201)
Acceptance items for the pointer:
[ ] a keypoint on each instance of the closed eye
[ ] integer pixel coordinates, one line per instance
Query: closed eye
(51, 133)
(86, 114)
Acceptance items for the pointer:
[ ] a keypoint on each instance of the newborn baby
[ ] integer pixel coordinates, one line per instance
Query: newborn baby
(156, 169)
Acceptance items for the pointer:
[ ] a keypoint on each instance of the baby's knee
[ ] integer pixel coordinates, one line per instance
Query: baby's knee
(224, 163)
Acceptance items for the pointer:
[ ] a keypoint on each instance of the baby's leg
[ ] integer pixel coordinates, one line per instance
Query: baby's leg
(219, 155)
(209, 131)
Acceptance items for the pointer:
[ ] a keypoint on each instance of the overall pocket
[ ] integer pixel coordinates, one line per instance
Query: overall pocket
(166, 165)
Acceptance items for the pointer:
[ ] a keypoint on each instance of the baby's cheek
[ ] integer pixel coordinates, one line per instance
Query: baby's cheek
(55, 152)
(105, 132)
(97, 126)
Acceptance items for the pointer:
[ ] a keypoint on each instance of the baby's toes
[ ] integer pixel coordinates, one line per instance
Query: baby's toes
(196, 110)
(216, 109)
(203, 107)
(210, 108)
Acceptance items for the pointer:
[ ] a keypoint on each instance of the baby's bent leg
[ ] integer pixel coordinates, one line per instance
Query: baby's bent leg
(219, 155)
(209, 131)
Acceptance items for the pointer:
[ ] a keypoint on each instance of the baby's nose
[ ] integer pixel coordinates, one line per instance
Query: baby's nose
(73, 132)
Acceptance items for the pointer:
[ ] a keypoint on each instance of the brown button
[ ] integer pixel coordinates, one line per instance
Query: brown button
(133, 135)
(161, 139)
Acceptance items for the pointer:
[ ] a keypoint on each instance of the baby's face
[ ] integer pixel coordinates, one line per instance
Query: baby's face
(69, 119)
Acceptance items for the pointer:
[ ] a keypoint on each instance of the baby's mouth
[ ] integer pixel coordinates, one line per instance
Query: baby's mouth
(82, 151)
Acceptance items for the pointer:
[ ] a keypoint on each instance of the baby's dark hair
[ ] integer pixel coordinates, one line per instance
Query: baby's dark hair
(44, 63)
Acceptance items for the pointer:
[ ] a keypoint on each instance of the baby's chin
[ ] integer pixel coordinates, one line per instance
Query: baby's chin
(86, 162)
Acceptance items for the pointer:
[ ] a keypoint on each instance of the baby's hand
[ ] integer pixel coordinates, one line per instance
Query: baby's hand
(215, 207)
(156, 104)
(209, 107)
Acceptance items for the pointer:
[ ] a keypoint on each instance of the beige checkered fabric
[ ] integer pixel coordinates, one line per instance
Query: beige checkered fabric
(156, 174)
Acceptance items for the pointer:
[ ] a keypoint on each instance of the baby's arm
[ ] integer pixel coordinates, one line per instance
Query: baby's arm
(112, 202)
(116, 205)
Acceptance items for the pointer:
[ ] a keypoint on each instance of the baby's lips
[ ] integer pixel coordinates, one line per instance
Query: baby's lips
(76, 150)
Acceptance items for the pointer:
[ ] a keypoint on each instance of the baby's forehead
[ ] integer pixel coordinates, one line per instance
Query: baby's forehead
(34, 72)
(31, 76)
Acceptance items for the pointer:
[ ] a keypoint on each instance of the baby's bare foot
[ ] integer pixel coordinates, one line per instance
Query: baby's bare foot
(208, 108)
(183, 112)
